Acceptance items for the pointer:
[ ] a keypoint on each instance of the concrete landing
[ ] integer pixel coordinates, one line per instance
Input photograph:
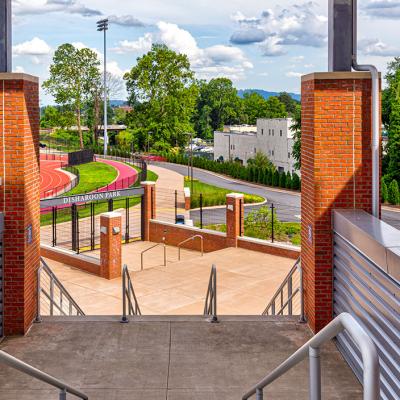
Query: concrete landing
(175, 359)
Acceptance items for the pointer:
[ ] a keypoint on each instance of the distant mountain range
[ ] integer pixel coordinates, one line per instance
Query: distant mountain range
(118, 103)
(266, 94)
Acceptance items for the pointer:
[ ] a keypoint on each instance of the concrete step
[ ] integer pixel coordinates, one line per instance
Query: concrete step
(171, 358)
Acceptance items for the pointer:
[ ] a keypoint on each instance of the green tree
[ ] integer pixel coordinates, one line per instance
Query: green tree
(296, 129)
(218, 104)
(289, 102)
(260, 161)
(288, 180)
(282, 180)
(163, 93)
(275, 108)
(74, 74)
(56, 117)
(391, 117)
(295, 182)
(384, 191)
(275, 178)
(393, 193)
(253, 106)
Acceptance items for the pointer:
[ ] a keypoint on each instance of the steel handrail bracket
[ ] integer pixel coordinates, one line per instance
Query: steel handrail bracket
(188, 240)
(343, 322)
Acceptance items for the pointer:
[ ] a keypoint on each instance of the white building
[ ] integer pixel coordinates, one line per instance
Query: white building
(273, 137)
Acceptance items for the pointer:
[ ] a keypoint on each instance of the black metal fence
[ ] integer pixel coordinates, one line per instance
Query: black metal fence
(77, 227)
(80, 157)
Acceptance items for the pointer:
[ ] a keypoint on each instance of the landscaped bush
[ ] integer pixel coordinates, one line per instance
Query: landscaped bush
(288, 180)
(282, 180)
(393, 193)
(267, 176)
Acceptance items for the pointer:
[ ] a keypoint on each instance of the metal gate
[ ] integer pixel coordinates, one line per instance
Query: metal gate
(75, 225)
(366, 285)
(1, 276)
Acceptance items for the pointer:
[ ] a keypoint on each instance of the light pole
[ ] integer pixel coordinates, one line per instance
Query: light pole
(102, 26)
(190, 162)
(229, 152)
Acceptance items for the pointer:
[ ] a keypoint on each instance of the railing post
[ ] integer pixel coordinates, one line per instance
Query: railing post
(315, 373)
(259, 394)
(176, 204)
(63, 394)
(201, 210)
(39, 292)
(301, 293)
(124, 318)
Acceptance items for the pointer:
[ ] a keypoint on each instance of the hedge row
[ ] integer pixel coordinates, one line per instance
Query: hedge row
(266, 176)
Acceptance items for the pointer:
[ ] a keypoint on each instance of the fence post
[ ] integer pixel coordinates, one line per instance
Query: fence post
(92, 226)
(73, 227)
(110, 205)
(233, 218)
(201, 210)
(176, 204)
(272, 223)
(148, 208)
(127, 211)
(54, 225)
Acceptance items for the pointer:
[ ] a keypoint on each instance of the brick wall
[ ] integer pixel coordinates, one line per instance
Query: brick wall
(19, 197)
(336, 173)
(276, 249)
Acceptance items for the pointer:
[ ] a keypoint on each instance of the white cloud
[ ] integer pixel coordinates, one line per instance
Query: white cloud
(298, 25)
(375, 47)
(19, 69)
(114, 69)
(34, 47)
(32, 7)
(292, 74)
(80, 46)
(207, 62)
(389, 9)
(126, 20)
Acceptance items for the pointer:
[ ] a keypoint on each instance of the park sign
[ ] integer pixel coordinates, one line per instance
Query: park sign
(88, 197)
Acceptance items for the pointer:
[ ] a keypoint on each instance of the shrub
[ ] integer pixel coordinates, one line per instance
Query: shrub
(275, 178)
(384, 191)
(288, 180)
(282, 180)
(295, 182)
(393, 193)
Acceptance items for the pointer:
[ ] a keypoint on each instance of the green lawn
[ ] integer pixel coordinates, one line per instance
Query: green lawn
(213, 195)
(92, 176)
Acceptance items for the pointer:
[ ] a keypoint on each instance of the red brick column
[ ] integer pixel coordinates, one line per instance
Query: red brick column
(19, 197)
(110, 245)
(336, 173)
(148, 208)
(234, 218)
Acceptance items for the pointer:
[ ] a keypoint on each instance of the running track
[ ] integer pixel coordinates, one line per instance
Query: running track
(52, 177)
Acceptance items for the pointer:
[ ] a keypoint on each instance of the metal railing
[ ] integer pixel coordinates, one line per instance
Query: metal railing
(130, 305)
(343, 322)
(190, 239)
(150, 248)
(27, 369)
(283, 301)
(60, 302)
(210, 306)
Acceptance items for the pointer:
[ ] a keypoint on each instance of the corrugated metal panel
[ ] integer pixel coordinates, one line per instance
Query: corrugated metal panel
(366, 291)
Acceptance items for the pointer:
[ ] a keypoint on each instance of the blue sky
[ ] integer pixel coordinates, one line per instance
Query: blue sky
(258, 44)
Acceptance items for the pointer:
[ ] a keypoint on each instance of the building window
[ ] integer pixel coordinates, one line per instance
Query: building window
(269, 132)
(273, 132)
(273, 152)
(262, 131)
(288, 155)
(280, 132)
(255, 150)
(281, 169)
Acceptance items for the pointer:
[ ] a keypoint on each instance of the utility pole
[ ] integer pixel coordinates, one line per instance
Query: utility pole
(102, 26)
(5, 36)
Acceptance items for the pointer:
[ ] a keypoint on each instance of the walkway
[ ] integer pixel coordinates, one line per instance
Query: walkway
(246, 282)
(170, 359)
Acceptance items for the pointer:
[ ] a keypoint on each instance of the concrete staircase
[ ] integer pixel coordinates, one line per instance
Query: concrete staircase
(172, 358)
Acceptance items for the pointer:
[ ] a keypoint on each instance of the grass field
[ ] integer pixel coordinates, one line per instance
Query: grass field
(214, 196)
(92, 176)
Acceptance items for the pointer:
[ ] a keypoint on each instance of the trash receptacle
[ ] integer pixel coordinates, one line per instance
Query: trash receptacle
(180, 219)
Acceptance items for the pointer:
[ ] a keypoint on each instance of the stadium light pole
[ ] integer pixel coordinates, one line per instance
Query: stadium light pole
(102, 26)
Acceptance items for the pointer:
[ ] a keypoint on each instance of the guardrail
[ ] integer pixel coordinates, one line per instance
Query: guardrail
(27, 369)
(150, 248)
(59, 300)
(282, 302)
(210, 306)
(343, 322)
(190, 239)
(130, 305)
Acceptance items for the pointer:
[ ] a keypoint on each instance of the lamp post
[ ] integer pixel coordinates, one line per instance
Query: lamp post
(229, 153)
(190, 162)
(102, 26)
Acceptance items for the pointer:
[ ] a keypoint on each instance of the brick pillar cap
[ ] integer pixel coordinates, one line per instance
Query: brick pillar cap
(18, 76)
(235, 195)
(337, 75)
(148, 183)
(111, 214)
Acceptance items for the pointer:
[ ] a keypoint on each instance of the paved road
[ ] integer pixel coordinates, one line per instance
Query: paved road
(287, 204)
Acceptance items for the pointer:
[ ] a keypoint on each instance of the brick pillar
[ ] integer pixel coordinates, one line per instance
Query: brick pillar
(110, 245)
(148, 208)
(336, 173)
(19, 197)
(234, 218)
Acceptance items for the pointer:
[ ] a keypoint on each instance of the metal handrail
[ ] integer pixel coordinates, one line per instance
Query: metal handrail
(73, 307)
(343, 322)
(150, 248)
(291, 294)
(27, 369)
(210, 306)
(188, 240)
(128, 293)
